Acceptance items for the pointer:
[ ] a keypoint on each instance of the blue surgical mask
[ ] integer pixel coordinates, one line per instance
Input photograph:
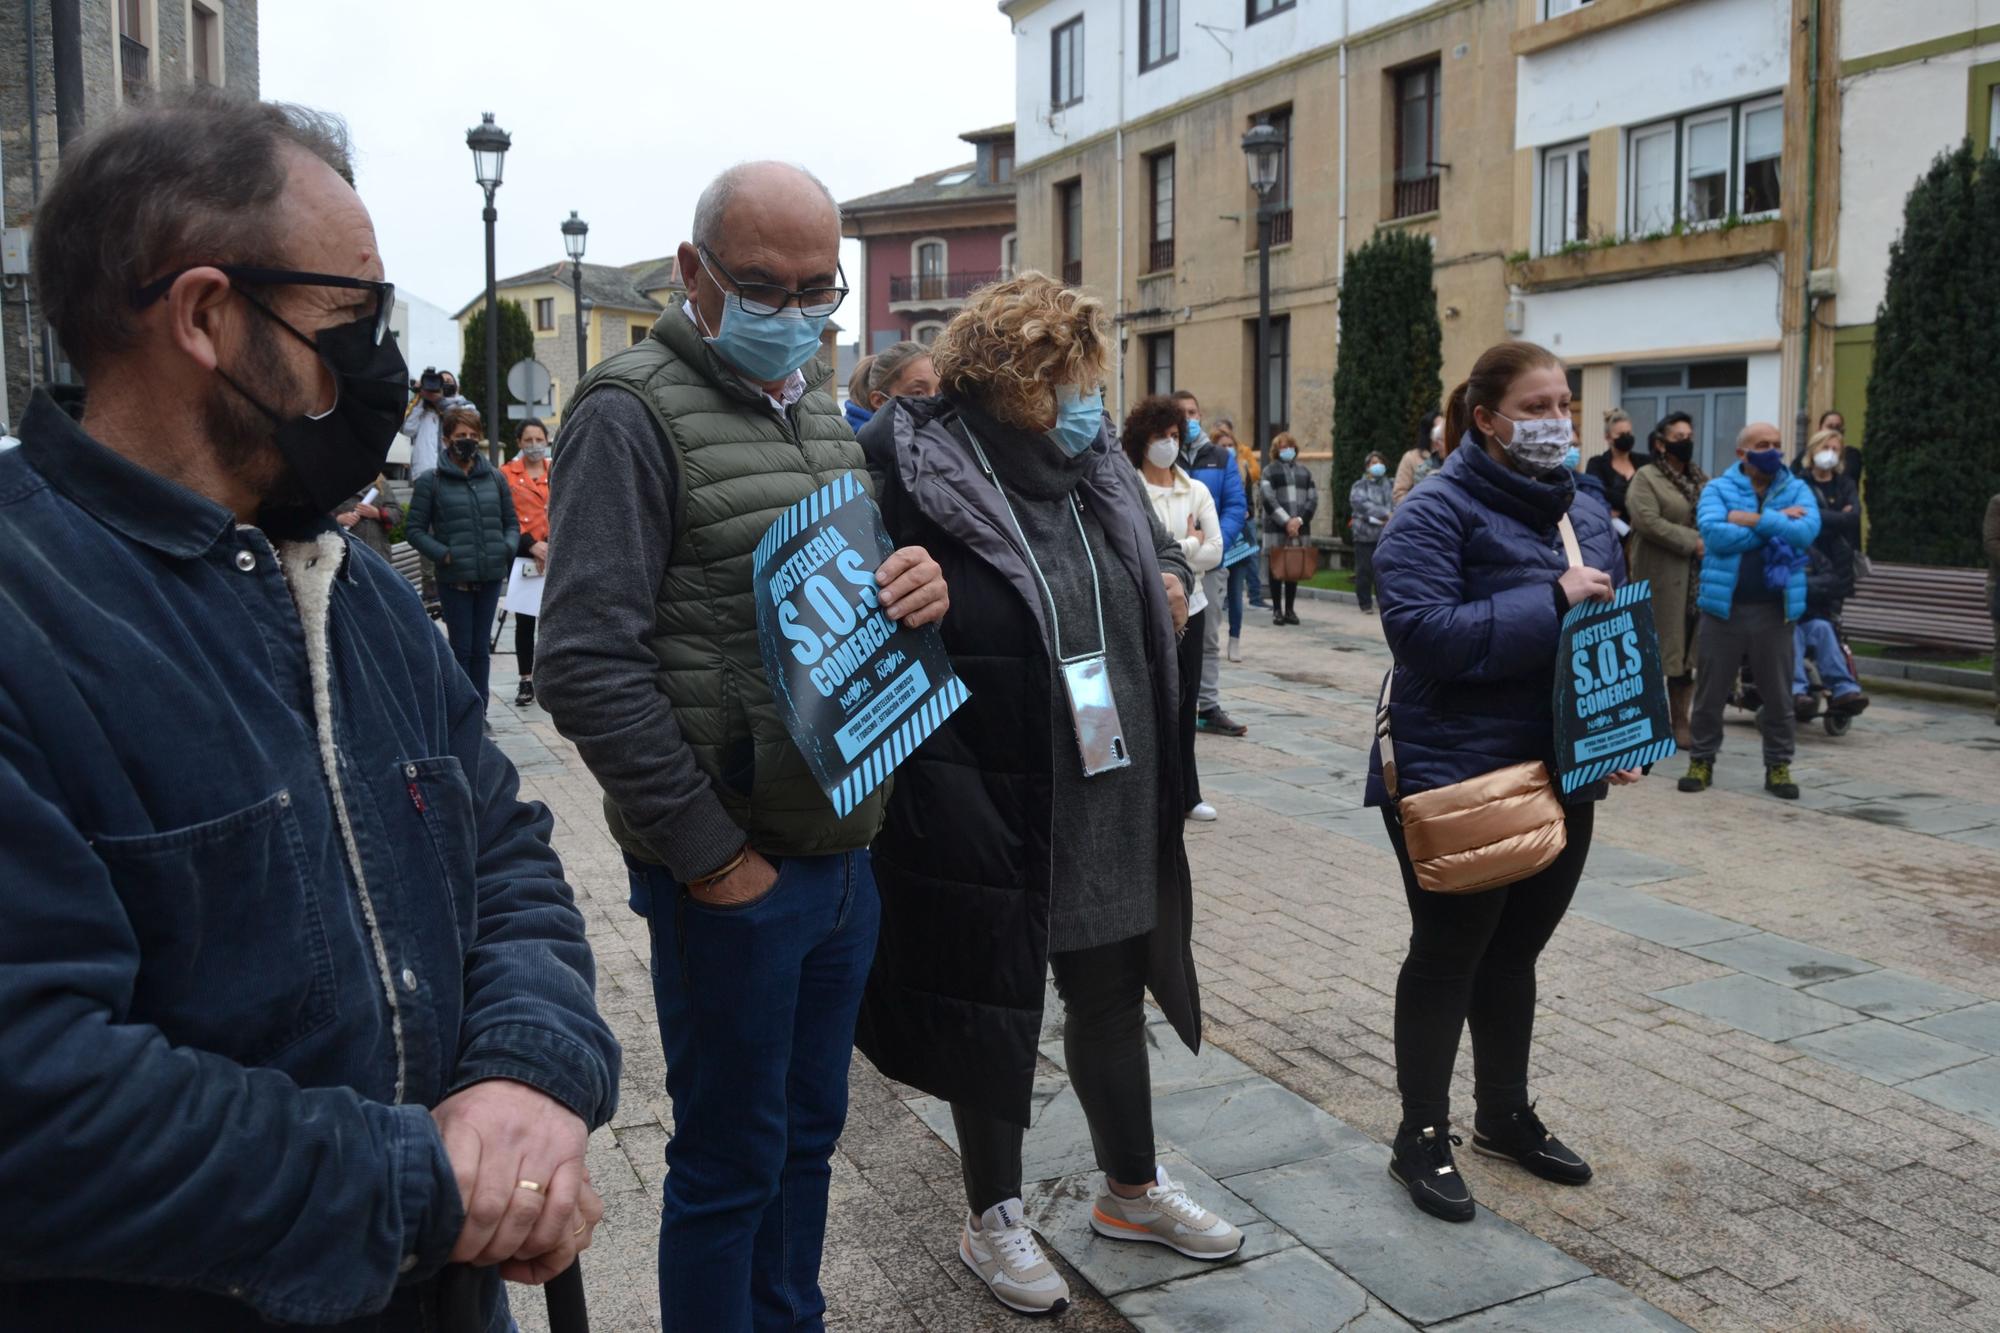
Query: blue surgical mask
(1378, 470)
(1287, 455)
(1193, 431)
(767, 348)
(1079, 420)
(1767, 461)
(1572, 458)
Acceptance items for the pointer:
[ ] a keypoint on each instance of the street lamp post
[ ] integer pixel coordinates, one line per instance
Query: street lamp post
(1262, 148)
(489, 144)
(574, 232)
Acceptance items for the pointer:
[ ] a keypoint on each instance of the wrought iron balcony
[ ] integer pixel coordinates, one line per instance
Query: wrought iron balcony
(1417, 196)
(1160, 256)
(942, 288)
(135, 61)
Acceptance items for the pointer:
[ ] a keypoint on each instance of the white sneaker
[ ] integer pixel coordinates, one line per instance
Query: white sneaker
(1235, 649)
(1166, 1216)
(999, 1247)
(1202, 812)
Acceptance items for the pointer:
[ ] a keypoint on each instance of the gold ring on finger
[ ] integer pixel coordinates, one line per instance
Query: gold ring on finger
(528, 1185)
(579, 1231)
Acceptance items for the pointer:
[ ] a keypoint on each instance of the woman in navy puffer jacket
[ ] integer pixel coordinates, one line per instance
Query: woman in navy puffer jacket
(1473, 584)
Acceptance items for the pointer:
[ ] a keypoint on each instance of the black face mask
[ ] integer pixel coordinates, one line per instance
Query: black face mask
(1622, 443)
(462, 450)
(1680, 449)
(334, 455)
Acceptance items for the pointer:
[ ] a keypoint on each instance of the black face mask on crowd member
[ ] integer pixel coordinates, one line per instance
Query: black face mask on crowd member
(462, 450)
(1683, 450)
(1622, 441)
(332, 455)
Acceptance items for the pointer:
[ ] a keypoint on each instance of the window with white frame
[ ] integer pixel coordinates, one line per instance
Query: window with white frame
(926, 333)
(1010, 254)
(1557, 8)
(927, 261)
(1565, 196)
(1706, 167)
(1763, 149)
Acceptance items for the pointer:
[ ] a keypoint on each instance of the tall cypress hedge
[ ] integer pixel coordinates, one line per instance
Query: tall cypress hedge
(1932, 447)
(1386, 376)
(517, 342)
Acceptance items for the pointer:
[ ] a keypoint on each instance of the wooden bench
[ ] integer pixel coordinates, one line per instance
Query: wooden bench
(1921, 605)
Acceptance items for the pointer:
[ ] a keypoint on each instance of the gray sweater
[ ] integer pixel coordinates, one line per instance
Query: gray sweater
(1106, 851)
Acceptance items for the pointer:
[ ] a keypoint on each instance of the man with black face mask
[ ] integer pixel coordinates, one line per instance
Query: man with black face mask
(296, 1022)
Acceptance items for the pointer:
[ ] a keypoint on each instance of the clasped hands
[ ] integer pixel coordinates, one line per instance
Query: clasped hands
(519, 1157)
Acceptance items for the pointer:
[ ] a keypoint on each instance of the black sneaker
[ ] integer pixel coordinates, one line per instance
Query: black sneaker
(1422, 1164)
(525, 695)
(1523, 1138)
(1220, 723)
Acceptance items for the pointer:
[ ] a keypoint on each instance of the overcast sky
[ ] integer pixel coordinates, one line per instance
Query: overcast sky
(624, 109)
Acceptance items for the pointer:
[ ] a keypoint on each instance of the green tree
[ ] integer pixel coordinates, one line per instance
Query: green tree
(517, 340)
(1932, 459)
(1391, 352)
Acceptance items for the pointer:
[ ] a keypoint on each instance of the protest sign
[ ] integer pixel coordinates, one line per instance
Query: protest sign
(857, 691)
(1611, 695)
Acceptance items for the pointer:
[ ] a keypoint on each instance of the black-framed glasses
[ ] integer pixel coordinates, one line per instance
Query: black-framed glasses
(385, 292)
(764, 298)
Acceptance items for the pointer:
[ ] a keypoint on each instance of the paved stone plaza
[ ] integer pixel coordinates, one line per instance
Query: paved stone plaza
(1774, 1029)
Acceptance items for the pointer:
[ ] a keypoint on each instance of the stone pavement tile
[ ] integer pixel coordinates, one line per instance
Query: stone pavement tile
(1972, 1090)
(1771, 1011)
(1785, 961)
(1295, 1289)
(1248, 1126)
(1616, 865)
(1896, 793)
(1650, 918)
(1348, 1208)
(1896, 996)
(1058, 1139)
(1987, 837)
(1752, 1308)
(1060, 1210)
(1885, 1052)
(1977, 1025)
(1851, 1286)
(1921, 818)
(1589, 1305)
(1363, 825)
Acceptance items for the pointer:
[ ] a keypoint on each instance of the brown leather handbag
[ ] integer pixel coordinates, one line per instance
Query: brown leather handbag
(1293, 564)
(1494, 829)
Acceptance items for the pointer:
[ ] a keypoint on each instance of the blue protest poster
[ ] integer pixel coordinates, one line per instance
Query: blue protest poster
(857, 692)
(1611, 694)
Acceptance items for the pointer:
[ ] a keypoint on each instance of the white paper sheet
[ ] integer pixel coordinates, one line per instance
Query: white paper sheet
(524, 588)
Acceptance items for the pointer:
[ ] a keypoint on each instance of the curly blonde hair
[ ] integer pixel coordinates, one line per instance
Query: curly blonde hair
(1015, 342)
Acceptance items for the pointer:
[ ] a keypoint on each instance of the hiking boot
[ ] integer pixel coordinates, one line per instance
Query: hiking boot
(1220, 723)
(1804, 707)
(1422, 1164)
(1700, 774)
(1778, 781)
(999, 1247)
(1165, 1215)
(526, 694)
(1522, 1138)
(1847, 705)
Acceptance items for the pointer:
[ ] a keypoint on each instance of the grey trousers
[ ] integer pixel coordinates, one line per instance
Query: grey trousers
(1215, 583)
(1759, 631)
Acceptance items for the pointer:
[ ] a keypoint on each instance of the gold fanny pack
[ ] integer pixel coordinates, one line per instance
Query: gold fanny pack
(1493, 829)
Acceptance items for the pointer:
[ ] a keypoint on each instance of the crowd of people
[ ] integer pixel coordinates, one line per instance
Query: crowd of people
(300, 1010)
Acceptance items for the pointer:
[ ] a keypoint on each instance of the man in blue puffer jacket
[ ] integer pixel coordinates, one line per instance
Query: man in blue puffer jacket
(1757, 522)
(1214, 466)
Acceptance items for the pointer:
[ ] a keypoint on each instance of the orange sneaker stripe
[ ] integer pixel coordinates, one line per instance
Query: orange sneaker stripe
(1109, 1220)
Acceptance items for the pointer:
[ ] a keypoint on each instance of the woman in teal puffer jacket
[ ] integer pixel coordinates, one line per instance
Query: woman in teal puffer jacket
(462, 519)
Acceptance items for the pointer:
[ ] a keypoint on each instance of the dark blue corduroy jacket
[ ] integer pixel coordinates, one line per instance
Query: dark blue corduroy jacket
(1466, 574)
(267, 893)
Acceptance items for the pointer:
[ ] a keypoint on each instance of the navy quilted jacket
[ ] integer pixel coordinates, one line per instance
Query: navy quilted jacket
(1466, 577)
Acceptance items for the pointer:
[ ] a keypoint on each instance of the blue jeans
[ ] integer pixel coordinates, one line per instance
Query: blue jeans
(1240, 576)
(1817, 637)
(1255, 579)
(468, 623)
(757, 1007)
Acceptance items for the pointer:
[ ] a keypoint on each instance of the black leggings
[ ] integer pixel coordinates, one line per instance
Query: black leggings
(1190, 669)
(1283, 597)
(1104, 1045)
(1472, 956)
(524, 645)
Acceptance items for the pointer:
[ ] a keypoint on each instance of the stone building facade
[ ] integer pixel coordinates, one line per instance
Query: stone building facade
(128, 48)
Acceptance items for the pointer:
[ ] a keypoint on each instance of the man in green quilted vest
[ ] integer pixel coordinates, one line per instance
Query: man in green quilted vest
(676, 455)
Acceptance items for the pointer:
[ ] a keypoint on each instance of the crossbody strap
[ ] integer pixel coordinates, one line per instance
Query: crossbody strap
(1383, 739)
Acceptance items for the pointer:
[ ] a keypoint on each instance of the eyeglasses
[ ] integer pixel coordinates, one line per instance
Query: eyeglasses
(763, 298)
(385, 292)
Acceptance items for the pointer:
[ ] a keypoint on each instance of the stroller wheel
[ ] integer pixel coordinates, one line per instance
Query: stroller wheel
(1837, 723)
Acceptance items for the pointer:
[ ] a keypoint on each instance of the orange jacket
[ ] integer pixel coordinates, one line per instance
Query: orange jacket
(531, 499)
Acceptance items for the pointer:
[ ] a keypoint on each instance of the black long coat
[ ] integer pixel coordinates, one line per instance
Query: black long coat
(954, 1003)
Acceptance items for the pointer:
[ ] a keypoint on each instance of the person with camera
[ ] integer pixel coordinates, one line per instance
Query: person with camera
(1475, 573)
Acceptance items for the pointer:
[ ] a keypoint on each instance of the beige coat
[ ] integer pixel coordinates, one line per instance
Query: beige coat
(1663, 551)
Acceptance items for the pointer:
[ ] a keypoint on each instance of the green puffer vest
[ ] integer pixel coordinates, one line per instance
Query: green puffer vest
(738, 465)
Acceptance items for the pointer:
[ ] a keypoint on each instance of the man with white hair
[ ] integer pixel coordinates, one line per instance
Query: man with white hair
(678, 454)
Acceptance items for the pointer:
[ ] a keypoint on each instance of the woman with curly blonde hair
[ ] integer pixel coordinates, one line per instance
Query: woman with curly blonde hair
(1039, 827)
